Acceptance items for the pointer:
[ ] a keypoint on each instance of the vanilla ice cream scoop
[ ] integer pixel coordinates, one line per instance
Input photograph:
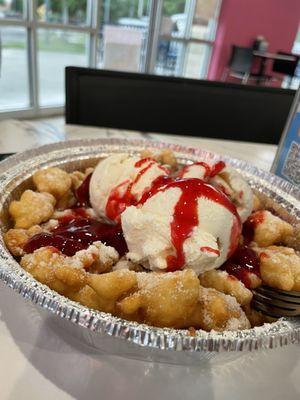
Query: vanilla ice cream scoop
(225, 179)
(181, 223)
(120, 181)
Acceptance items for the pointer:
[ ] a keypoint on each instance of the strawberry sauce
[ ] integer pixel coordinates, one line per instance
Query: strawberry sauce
(200, 164)
(210, 250)
(217, 168)
(210, 171)
(242, 263)
(249, 226)
(76, 232)
(122, 197)
(143, 161)
(82, 192)
(185, 217)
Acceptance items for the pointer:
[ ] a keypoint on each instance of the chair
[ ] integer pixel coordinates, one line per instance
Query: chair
(240, 63)
(151, 103)
(286, 67)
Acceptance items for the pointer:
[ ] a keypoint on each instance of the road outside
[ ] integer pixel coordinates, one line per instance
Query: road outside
(14, 88)
(55, 53)
(52, 74)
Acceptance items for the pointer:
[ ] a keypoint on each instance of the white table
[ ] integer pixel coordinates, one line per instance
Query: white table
(21, 135)
(39, 362)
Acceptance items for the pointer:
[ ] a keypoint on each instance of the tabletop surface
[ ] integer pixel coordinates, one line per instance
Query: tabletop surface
(20, 135)
(40, 362)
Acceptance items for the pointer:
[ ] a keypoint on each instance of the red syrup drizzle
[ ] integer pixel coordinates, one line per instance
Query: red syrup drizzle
(217, 168)
(143, 161)
(243, 262)
(201, 164)
(76, 231)
(210, 172)
(82, 192)
(241, 194)
(185, 216)
(249, 226)
(210, 250)
(122, 197)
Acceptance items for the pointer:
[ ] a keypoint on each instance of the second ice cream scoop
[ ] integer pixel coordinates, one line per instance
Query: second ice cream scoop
(120, 181)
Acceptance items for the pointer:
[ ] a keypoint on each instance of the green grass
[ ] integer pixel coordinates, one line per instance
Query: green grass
(14, 45)
(61, 46)
(54, 45)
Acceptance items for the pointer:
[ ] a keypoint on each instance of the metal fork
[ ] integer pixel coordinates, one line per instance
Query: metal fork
(276, 303)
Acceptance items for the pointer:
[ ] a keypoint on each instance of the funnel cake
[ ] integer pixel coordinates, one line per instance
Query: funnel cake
(150, 241)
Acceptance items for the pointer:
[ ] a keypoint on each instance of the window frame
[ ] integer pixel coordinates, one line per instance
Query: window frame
(186, 39)
(92, 28)
(31, 23)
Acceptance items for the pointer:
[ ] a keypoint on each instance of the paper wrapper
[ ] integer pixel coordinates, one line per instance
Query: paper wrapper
(104, 331)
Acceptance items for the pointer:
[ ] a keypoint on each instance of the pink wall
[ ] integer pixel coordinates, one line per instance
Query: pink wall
(240, 21)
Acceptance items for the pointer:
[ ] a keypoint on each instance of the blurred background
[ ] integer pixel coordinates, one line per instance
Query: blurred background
(244, 41)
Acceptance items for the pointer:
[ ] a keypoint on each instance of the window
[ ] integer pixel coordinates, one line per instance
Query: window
(123, 34)
(186, 36)
(14, 82)
(56, 49)
(39, 38)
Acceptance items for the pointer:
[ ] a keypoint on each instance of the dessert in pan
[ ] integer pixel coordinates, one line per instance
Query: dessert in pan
(150, 241)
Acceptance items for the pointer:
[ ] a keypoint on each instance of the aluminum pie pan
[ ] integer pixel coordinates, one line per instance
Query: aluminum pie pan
(95, 327)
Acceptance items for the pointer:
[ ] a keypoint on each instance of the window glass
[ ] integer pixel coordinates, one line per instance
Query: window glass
(14, 88)
(62, 11)
(169, 57)
(11, 9)
(179, 52)
(123, 35)
(205, 19)
(173, 21)
(56, 50)
(196, 60)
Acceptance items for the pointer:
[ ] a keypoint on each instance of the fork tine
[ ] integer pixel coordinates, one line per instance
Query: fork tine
(258, 306)
(273, 301)
(291, 293)
(275, 312)
(278, 294)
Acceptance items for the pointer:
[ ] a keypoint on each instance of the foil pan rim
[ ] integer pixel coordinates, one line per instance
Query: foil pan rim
(282, 332)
